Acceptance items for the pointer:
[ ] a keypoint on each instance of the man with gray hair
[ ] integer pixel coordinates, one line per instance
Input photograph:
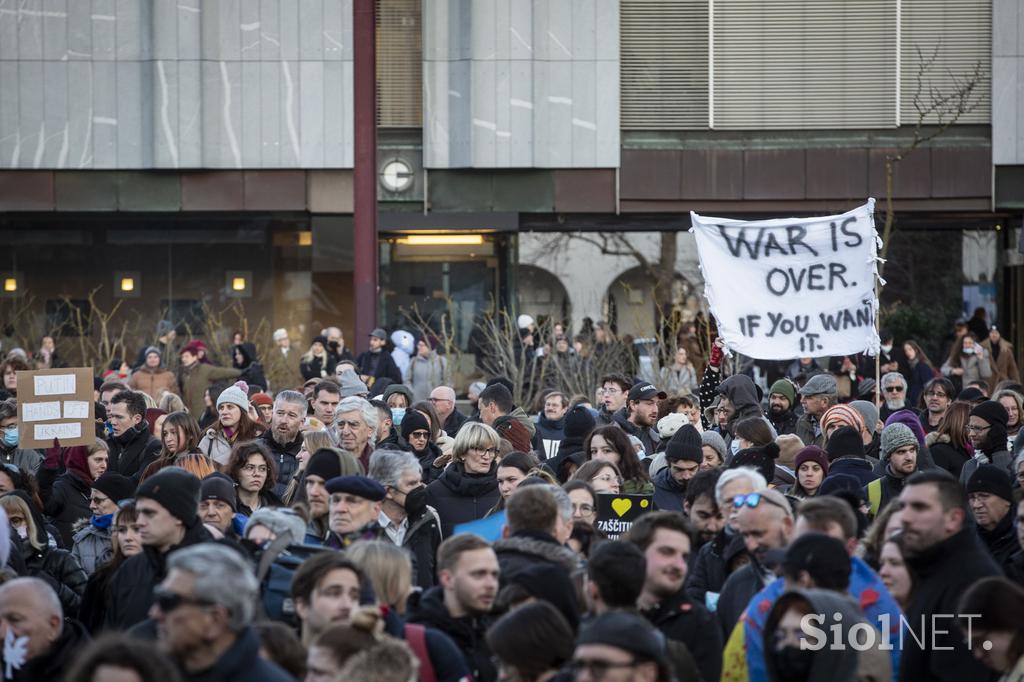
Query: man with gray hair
(817, 395)
(443, 400)
(894, 392)
(32, 617)
(283, 438)
(204, 610)
(407, 520)
(357, 423)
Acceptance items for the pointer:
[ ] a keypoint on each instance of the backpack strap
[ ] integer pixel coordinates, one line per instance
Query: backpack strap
(416, 638)
(875, 495)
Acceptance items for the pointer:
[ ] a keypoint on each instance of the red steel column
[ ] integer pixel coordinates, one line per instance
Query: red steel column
(365, 246)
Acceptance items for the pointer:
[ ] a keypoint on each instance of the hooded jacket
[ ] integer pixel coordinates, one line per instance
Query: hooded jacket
(459, 496)
(525, 548)
(668, 492)
(66, 499)
(252, 371)
(92, 546)
(131, 588)
(133, 451)
(519, 414)
(944, 572)
(468, 633)
(742, 393)
(425, 373)
(196, 379)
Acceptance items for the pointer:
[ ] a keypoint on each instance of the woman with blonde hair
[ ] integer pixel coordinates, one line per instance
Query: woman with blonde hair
(468, 487)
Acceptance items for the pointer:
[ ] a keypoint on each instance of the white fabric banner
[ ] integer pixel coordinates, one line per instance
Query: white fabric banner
(788, 288)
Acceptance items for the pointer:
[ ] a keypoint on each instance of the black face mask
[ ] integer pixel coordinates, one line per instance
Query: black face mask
(416, 501)
(793, 664)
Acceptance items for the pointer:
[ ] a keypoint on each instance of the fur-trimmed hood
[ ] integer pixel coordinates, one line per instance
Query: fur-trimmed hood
(536, 549)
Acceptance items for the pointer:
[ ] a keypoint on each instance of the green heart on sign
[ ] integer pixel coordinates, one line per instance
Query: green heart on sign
(621, 505)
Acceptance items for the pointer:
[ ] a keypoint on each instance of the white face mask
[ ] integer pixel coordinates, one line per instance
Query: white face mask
(887, 349)
(968, 350)
(734, 446)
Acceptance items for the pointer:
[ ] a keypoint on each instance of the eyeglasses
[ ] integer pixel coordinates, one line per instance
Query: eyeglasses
(753, 500)
(935, 394)
(98, 500)
(584, 509)
(607, 478)
(486, 451)
(170, 601)
(255, 468)
(977, 429)
(598, 668)
(421, 435)
(894, 389)
(440, 400)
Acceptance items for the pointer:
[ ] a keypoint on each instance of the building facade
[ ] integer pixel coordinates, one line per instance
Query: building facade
(532, 154)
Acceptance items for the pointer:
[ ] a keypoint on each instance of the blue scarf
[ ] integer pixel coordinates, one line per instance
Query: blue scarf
(102, 522)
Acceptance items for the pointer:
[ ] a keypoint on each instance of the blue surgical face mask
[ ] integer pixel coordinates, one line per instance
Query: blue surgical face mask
(396, 415)
(734, 446)
(11, 437)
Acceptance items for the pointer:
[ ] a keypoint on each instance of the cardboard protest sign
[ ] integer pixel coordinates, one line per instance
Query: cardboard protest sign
(789, 288)
(56, 403)
(616, 513)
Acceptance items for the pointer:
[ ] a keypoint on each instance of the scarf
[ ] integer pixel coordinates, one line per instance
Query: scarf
(102, 522)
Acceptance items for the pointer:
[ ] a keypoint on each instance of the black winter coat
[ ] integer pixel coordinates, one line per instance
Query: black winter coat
(681, 620)
(131, 588)
(860, 469)
(445, 657)
(286, 458)
(785, 423)
(1001, 542)
(52, 664)
(647, 436)
(133, 451)
(422, 540)
(460, 497)
(252, 371)
(314, 368)
(668, 492)
(570, 451)
(453, 422)
(241, 663)
(65, 501)
(427, 458)
(378, 365)
(548, 437)
(742, 586)
(58, 568)
(467, 632)
(946, 455)
(944, 571)
(714, 562)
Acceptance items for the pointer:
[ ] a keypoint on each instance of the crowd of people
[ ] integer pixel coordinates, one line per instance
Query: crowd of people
(327, 518)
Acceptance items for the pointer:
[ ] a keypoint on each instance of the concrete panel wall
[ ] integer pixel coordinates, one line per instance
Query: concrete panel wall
(1007, 82)
(521, 83)
(139, 84)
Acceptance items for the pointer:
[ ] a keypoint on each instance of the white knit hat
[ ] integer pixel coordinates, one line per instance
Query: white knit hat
(235, 395)
(524, 321)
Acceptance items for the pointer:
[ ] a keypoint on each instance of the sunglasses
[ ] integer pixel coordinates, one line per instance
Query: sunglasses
(893, 389)
(170, 601)
(753, 500)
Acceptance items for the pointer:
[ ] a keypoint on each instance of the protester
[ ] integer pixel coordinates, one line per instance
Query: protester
(683, 455)
(610, 444)
(990, 499)
(93, 545)
(781, 401)
(1002, 359)
(233, 425)
(967, 363)
(618, 646)
(196, 376)
(317, 363)
(167, 505)
(326, 589)
(894, 393)
(279, 644)
(355, 508)
(937, 396)
(949, 443)
(986, 429)
(244, 358)
(180, 436)
(125, 542)
(532, 642)
(132, 446)
(123, 658)
(816, 396)
(215, 584)
(252, 468)
(218, 505)
(67, 498)
(325, 399)
(601, 476)
(468, 487)
(443, 400)
(579, 422)
(427, 369)
(947, 556)
(551, 425)
(997, 634)
(40, 642)
(407, 520)
(467, 571)
(10, 453)
(497, 410)
(374, 363)
(900, 458)
(152, 377)
(283, 438)
(416, 433)
(539, 522)
(1014, 404)
(846, 456)
(898, 578)
(357, 422)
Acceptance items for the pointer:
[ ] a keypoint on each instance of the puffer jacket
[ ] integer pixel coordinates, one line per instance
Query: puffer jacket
(92, 546)
(58, 568)
(215, 446)
(65, 500)
(154, 381)
(26, 460)
(460, 497)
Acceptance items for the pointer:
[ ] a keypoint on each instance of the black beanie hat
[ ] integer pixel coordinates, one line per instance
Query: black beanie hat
(414, 421)
(325, 464)
(578, 422)
(989, 478)
(762, 459)
(845, 441)
(685, 444)
(992, 412)
(550, 583)
(218, 486)
(115, 486)
(823, 557)
(176, 490)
